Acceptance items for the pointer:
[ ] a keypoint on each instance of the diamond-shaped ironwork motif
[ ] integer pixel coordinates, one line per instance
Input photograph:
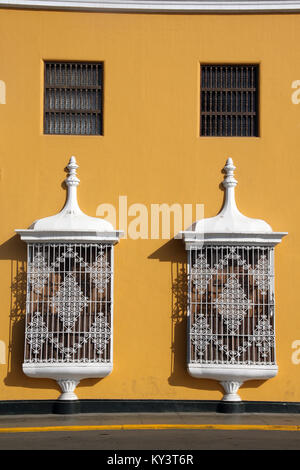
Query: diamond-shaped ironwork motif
(69, 302)
(232, 304)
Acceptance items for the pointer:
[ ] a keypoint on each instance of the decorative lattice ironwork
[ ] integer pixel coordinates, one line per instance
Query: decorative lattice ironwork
(69, 303)
(231, 299)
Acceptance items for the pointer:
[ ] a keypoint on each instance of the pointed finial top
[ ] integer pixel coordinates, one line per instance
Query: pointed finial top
(229, 180)
(72, 179)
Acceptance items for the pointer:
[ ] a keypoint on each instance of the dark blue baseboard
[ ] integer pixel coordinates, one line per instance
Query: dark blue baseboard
(25, 407)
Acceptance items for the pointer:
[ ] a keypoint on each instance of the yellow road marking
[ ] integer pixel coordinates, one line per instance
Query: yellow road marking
(114, 427)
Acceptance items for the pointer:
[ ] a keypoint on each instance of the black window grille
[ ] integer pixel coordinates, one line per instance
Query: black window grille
(229, 100)
(73, 98)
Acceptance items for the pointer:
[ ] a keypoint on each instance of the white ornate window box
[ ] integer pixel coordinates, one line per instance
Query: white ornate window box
(69, 306)
(231, 299)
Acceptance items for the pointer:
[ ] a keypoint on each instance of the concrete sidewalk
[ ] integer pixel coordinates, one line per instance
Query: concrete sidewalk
(176, 418)
(142, 432)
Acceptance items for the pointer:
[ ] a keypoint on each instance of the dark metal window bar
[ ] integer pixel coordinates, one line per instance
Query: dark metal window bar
(73, 98)
(229, 100)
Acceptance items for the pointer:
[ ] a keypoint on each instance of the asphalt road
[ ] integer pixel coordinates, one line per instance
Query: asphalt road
(147, 431)
(152, 439)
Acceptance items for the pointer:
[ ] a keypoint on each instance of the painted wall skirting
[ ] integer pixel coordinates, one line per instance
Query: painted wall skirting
(24, 407)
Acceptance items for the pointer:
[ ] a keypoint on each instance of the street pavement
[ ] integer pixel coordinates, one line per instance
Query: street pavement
(164, 431)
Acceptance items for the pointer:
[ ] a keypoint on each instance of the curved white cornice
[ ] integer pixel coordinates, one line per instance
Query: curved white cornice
(201, 6)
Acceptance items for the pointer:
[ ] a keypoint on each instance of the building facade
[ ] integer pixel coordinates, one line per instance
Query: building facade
(152, 99)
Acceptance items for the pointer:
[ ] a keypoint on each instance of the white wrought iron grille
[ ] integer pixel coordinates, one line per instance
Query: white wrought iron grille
(231, 302)
(69, 303)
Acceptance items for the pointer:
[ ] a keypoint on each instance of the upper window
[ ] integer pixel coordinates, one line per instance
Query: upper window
(229, 100)
(73, 98)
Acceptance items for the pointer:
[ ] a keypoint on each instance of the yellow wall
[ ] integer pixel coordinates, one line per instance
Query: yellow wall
(151, 151)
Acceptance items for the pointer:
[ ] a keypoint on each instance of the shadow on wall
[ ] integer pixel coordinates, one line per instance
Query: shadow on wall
(15, 251)
(174, 253)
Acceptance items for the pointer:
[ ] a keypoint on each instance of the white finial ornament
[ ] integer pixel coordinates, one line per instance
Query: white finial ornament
(72, 179)
(229, 184)
(229, 180)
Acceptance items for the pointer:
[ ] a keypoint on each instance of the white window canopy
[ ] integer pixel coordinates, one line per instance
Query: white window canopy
(71, 224)
(69, 307)
(231, 301)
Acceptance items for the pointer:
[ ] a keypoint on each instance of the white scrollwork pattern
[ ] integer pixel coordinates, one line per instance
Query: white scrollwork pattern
(67, 318)
(69, 302)
(36, 333)
(232, 306)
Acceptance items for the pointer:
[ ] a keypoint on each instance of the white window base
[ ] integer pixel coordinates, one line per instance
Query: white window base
(67, 376)
(231, 377)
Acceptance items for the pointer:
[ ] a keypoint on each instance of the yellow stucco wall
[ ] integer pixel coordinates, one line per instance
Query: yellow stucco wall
(152, 153)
